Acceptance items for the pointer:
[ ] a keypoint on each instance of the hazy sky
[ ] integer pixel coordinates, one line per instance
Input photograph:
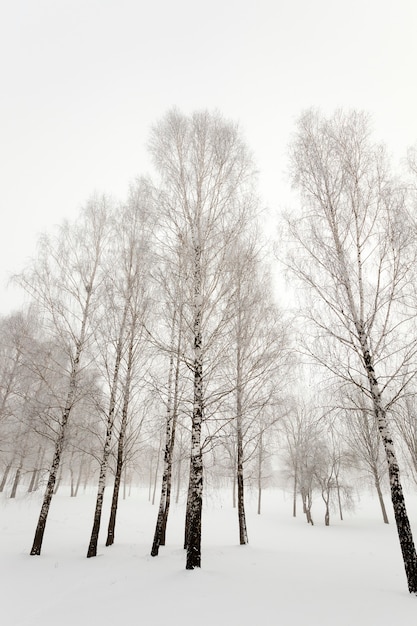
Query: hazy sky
(82, 81)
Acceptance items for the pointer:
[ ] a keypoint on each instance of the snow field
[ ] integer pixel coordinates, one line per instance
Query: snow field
(350, 573)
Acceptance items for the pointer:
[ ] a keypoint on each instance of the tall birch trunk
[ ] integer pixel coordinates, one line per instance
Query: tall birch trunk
(243, 533)
(120, 446)
(397, 496)
(195, 492)
(92, 548)
(167, 452)
(59, 443)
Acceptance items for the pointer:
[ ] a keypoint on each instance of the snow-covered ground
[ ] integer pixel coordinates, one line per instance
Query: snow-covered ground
(348, 574)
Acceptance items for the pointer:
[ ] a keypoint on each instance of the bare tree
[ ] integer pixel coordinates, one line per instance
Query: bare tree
(65, 283)
(206, 197)
(353, 251)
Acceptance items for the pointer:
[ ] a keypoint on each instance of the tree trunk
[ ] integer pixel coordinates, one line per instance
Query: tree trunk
(168, 450)
(120, 447)
(400, 512)
(260, 462)
(16, 481)
(294, 493)
(179, 464)
(58, 482)
(155, 478)
(5, 477)
(92, 548)
(172, 443)
(79, 476)
(243, 533)
(59, 443)
(195, 492)
(339, 499)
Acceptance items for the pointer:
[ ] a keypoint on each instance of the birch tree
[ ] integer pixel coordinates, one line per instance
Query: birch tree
(65, 282)
(206, 196)
(353, 250)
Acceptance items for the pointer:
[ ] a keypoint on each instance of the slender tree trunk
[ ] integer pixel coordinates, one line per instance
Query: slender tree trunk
(339, 499)
(243, 533)
(79, 477)
(168, 435)
(234, 486)
(155, 478)
(294, 493)
(400, 512)
(380, 497)
(5, 476)
(150, 479)
(195, 492)
(92, 548)
(59, 443)
(120, 447)
(260, 462)
(38, 471)
(58, 482)
(179, 467)
(16, 481)
(172, 442)
(124, 481)
(35, 471)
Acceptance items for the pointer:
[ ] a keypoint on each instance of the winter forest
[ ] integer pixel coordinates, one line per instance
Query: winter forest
(179, 344)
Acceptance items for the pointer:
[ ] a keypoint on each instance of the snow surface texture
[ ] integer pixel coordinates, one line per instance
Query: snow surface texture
(350, 573)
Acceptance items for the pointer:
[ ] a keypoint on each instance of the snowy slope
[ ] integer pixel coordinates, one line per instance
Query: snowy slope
(291, 574)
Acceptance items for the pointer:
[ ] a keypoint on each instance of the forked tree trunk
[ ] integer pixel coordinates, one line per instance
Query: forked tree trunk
(92, 547)
(120, 446)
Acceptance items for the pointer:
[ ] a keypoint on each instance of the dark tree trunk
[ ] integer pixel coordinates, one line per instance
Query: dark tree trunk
(92, 548)
(5, 477)
(171, 419)
(16, 482)
(400, 512)
(243, 533)
(59, 444)
(195, 492)
(120, 447)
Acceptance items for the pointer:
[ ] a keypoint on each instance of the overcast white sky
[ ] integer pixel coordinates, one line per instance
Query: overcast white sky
(82, 81)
